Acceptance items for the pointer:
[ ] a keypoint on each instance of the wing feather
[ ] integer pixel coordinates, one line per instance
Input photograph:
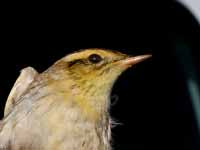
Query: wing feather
(21, 85)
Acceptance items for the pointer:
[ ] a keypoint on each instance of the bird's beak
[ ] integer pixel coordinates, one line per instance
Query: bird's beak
(134, 60)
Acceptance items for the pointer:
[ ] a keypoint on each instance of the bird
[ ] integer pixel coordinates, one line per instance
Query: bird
(66, 107)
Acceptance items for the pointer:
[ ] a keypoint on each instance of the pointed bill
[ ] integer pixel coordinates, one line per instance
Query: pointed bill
(134, 60)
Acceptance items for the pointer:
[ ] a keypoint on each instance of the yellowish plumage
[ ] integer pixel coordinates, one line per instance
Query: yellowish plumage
(67, 106)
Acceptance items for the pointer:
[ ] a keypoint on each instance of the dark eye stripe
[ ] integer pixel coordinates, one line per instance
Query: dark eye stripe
(75, 62)
(93, 58)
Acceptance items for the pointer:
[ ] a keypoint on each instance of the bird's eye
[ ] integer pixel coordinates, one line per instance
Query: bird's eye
(94, 58)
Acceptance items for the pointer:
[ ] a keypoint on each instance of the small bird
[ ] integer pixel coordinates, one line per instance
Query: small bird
(67, 106)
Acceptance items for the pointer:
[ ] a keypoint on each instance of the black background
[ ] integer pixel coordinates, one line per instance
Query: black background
(153, 106)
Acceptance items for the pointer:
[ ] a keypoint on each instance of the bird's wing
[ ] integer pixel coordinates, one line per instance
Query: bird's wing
(23, 82)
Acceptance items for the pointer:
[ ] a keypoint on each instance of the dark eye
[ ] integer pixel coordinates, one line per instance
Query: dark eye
(94, 58)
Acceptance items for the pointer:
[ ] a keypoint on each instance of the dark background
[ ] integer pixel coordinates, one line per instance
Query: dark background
(154, 106)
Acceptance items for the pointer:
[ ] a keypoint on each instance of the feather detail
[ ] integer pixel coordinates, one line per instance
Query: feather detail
(21, 85)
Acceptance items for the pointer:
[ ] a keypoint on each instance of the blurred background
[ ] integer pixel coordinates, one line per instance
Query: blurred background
(157, 101)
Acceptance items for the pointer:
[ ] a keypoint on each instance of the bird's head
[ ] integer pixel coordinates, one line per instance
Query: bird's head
(92, 72)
